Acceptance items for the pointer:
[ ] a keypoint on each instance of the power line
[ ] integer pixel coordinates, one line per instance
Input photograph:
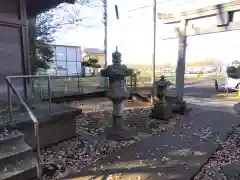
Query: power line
(148, 12)
(148, 6)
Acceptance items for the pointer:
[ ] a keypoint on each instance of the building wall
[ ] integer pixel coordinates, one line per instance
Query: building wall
(101, 58)
(67, 60)
(95, 52)
(12, 41)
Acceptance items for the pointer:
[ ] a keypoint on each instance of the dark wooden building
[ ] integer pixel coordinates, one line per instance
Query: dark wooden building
(14, 15)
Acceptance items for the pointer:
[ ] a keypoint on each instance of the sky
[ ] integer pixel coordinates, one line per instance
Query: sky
(133, 32)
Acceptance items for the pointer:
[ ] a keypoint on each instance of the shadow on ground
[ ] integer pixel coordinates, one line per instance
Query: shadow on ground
(178, 153)
(200, 92)
(237, 107)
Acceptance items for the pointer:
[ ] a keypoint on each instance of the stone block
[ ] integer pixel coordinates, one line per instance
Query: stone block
(59, 126)
(54, 130)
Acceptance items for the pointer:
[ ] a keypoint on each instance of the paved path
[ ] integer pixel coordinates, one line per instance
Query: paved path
(237, 107)
(176, 154)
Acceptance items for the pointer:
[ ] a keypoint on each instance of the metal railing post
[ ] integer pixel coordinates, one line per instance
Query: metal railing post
(66, 84)
(49, 96)
(12, 88)
(40, 82)
(35, 121)
(38, 152)
(78, 83)
(9, 102)
(81, 87)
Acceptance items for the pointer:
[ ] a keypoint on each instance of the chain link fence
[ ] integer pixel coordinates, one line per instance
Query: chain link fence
(68, 85)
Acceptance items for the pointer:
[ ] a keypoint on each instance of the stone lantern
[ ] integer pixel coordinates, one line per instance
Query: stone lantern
(162, 109)
(117, 92)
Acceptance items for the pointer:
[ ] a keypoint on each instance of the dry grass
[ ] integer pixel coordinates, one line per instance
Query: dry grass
(229, 96)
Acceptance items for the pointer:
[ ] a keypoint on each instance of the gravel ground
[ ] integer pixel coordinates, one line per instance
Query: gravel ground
(228, 153)
(65, 157)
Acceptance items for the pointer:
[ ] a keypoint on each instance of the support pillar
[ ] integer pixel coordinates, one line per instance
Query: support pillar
(180, 71)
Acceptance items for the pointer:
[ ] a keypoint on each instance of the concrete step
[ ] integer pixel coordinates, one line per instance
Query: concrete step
(20, 170)
(11, 137)
(17, 160)
(12, 152)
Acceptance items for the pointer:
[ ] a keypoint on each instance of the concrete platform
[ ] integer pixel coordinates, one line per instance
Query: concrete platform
(52, 127)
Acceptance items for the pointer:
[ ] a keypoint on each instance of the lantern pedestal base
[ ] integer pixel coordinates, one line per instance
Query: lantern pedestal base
(179, 108)
(161, 110)
(117, 132)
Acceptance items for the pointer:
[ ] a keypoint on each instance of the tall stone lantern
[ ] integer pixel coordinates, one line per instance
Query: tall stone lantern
(117, 92)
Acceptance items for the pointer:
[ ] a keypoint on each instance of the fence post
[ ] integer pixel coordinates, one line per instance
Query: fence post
(135, 82)
(9, 103)
(66, 84)
(78, 83)
(131, 83)
(49, 96)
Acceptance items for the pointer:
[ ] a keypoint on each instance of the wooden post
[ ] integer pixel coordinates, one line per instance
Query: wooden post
(25, 49)
(180, 71)
(32, 54)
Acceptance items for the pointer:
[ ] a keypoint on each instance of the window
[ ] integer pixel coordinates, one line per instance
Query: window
(61, 65)
(79, 67)
(71, 54)
(61, 53)
(78, 55)
(67, 60)
(71, 67)
(61, 68)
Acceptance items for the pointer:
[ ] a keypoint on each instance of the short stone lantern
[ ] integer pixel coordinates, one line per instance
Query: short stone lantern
(162, 109)
(117, 92)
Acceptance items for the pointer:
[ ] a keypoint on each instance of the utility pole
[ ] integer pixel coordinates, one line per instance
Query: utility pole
(105, 22)
(154, 49)
(117, 17)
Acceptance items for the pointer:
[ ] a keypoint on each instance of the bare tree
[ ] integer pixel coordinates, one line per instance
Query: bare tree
(71, 14)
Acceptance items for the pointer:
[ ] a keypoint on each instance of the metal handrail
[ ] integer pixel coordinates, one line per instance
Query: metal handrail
(10, 87)
(35, 77)
(53, 77)
(33, 118)
(49, 78)
(46, 76)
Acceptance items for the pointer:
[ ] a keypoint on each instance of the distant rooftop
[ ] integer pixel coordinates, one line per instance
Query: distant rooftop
(93, 50)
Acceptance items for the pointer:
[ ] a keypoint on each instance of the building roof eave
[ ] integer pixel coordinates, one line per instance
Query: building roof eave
(35, 7)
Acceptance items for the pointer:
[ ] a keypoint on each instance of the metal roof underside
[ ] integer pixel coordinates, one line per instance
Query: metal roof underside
(35, 7)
